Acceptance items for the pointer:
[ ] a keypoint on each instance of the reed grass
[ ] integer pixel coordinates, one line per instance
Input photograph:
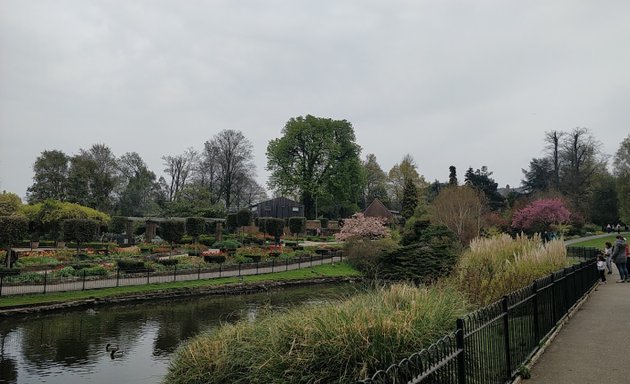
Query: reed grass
(336, 342)
(493, 267)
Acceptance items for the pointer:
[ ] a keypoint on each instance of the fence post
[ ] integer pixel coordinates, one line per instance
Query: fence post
(83, 287)
(286, 265)
(117, 276)
(535, 303)
(239, 268)
(1, 281)
(506, 337)
(273, 263)
(256, 267)
(219, 269)
(148, 272)
(552, 286)
(45, 280)
(198, 272)
(175, 273)
(311, 259)
(461, 357)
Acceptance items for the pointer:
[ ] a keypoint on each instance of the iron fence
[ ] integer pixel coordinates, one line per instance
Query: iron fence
(491, 344)
(47, 282)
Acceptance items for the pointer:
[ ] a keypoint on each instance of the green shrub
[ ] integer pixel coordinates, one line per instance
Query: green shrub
(79, 230)
(195, 227)
(172, 231)
(324, 223)
(297, 225)
(431, 252)
(226, 244)
(118, 224)
(168, 262)
(130, 264)
(64, 272)
(365, 255)
(219, 259)
(231, 222)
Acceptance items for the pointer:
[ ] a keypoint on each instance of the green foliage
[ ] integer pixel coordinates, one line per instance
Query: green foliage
(227, 244)
(621, 164)
(10, 203)
(365, 255)
(318, 159)
(172, 230)
(324, 222)
(231, 221)
(168, 262)
(244, 217)
(481, 181)
(410, 199)
(195, 226)
(79, 230)
(336, 342)
(297, 224)
(12, 229)
(118, 224)
(130, 265)
(430, 253)
(491, 268)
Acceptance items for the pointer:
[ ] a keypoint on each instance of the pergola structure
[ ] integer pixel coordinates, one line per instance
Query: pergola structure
(153, 222)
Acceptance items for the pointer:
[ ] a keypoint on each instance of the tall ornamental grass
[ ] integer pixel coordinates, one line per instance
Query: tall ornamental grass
(493, 267)
(336, 342)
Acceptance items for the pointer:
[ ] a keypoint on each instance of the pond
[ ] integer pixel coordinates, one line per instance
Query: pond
(70, 347)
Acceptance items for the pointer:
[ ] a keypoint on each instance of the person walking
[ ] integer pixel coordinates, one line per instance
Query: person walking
(620, 259)
(618, 229)
(601, 268)
(608, 228)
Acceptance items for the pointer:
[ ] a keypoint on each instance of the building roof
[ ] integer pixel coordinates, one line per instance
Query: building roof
(378, 209)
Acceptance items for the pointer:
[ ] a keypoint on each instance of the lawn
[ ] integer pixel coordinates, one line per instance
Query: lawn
(596, 243)
(327, 270)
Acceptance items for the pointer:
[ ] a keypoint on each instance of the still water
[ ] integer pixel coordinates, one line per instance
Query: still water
(69, 347)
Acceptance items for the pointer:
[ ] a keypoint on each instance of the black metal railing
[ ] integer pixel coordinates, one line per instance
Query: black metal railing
(492, 343)
(585, 253)
(48, 282)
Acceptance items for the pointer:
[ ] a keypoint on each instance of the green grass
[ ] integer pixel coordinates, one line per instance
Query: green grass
(327, 270)
(333, 342)
(597, 243)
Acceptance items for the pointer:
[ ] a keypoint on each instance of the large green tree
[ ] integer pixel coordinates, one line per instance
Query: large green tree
(318, 160)
(621, 164)
(50, 179)
(138, 187)
(398, 176)
(375, 181)
(93, 178)
(481, 180)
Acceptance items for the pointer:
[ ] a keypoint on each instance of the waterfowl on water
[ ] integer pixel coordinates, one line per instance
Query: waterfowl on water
(111, 347)
(115, 354)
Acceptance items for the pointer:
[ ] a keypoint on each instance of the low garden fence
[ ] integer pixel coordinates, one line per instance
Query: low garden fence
(491, 344)
(45, 282)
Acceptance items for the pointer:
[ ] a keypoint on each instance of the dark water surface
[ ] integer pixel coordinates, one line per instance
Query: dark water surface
(69, 347)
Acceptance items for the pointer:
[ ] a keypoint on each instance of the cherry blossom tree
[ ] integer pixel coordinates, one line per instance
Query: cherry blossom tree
(360, 226)
(540, 215)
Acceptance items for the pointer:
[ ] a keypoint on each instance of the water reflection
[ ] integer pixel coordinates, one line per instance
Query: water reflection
(69, 347)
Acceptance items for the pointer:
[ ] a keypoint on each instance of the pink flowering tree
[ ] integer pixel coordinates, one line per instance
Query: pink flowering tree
(360, 226)
(541, 215)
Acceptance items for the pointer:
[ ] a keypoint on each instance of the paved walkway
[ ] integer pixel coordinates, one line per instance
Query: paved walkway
(594, 345)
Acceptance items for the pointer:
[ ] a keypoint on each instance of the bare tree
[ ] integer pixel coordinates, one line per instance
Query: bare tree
(231, 153)
(461, 209)
(179, 169)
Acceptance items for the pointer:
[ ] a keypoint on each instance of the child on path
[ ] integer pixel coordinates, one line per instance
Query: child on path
(601, 268)
(608, 255)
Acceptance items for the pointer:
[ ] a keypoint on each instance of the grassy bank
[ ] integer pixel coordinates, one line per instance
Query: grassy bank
(328, 270)
(334, 342)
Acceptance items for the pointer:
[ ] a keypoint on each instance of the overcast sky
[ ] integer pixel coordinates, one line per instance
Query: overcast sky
(464, 83)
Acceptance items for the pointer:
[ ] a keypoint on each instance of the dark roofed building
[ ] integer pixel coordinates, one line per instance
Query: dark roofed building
(280, 207)
(378, 209)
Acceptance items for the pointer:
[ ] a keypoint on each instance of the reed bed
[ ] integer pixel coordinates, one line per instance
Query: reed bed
(493, 267)
(336, 342)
